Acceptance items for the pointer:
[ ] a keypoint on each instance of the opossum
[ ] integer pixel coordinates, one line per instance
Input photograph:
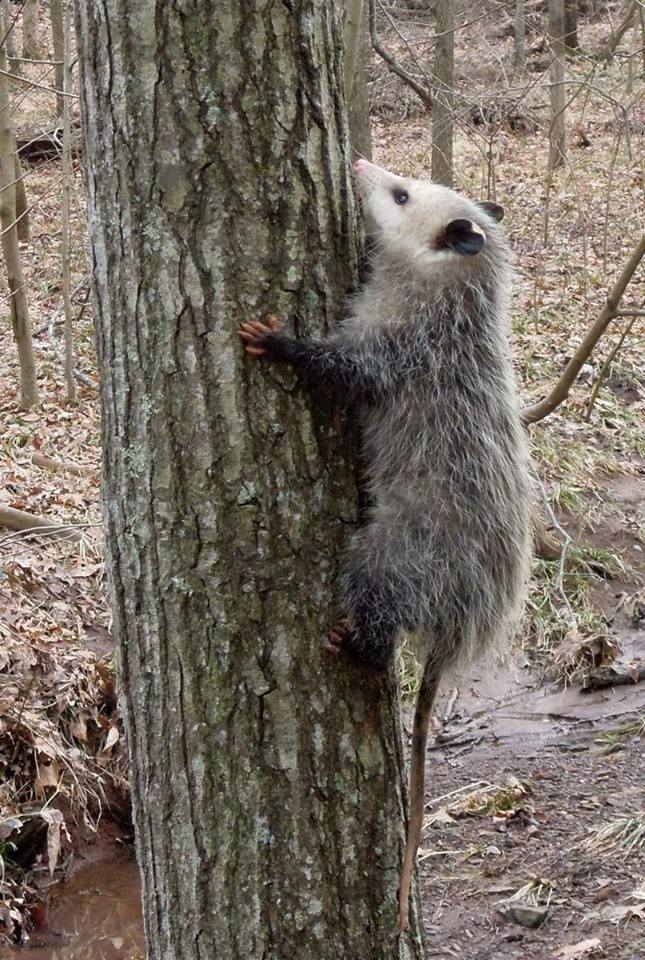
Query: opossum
(445, 553)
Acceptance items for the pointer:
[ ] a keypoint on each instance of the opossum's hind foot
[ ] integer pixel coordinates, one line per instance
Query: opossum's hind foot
(338, 636)
(342, 642)
(368, 639)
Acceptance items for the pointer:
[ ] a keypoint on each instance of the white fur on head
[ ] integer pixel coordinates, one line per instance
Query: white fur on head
(418, 233)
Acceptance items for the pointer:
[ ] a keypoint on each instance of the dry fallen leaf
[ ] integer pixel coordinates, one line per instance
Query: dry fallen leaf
(48, 776)
(54, 820)
(438, 816)
(111, 739)
(78, 728)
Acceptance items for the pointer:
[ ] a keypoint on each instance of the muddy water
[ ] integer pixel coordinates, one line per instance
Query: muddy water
(94, 916)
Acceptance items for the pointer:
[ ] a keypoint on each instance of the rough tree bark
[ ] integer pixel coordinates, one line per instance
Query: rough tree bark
(557, 132)
(10, 248)
(444, 94)
(267, 783)
(30, 38)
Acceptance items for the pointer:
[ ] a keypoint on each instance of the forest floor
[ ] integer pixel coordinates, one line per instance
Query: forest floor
(526, 770)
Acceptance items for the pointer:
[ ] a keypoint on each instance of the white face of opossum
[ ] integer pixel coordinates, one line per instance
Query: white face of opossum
(427, 228)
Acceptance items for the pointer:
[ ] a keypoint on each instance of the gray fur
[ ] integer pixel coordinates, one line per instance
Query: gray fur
(424, 351)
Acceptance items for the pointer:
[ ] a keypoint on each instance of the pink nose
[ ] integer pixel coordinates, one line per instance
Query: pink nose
(360, 164)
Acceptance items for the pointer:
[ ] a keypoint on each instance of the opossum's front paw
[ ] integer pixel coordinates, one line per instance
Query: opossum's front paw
(342, 642)
(252, 333)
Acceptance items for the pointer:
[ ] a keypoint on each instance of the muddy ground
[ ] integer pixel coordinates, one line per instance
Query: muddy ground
(547, 742)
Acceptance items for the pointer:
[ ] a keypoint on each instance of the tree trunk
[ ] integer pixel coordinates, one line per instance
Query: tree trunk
(267, 782)
(357, 51)
(58, 43)
(23, 220)
(519, 33)
(65, 234)
(30, 39)
(444, 95)
(10, 248)
(12, 52)
(571, 24)
(557, 132)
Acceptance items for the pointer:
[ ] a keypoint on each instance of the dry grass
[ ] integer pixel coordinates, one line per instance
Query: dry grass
(625, 834)
(613, 740)
(537, 892)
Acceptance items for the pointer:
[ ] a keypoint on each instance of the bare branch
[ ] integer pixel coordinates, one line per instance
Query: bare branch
(39, 86)
(612, 42)
(605, 367)
(30, 522)
(422, 92)
(62, 466)
(561, 389)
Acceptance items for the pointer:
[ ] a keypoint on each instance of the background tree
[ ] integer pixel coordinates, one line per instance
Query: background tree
(519, 33)
(357, 50)
(30, 38)
(571, 24)
(66, 169)
(617, 34)
(10, 198)
(10, 37)
(444, 93)
(557, 131)
(267, 783)
(58, 43)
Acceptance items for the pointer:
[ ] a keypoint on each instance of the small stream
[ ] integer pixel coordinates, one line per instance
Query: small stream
(94, 916)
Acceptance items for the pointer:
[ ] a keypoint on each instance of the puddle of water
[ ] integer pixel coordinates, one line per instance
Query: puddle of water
(94, 916)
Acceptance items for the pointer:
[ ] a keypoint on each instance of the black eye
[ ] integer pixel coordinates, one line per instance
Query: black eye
(400, 196)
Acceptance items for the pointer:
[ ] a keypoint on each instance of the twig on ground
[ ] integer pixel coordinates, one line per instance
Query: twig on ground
(29, 523)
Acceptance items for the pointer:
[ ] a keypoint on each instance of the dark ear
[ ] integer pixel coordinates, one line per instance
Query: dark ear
(462, 236)
(493, 210)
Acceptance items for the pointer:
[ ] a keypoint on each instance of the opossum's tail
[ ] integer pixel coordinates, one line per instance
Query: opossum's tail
(425, 699)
